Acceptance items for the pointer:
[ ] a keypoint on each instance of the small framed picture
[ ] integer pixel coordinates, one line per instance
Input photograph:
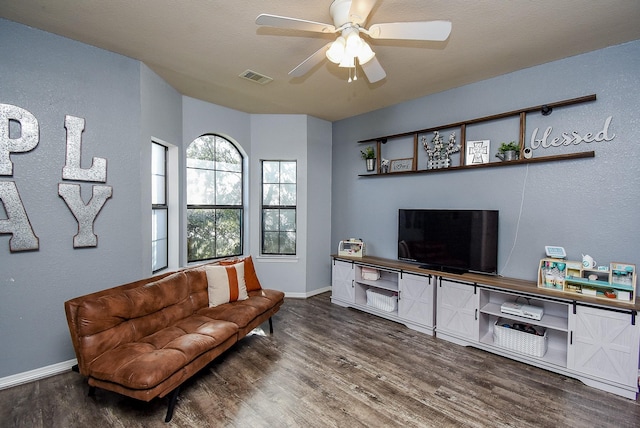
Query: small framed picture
(399, 165)
(477, 152)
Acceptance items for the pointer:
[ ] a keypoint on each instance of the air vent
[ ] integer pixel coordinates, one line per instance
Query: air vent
(255, 77)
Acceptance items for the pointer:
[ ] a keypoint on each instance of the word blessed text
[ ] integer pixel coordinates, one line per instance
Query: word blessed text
(569, 138)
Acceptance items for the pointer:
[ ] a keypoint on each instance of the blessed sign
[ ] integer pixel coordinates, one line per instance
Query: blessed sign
(569, 138)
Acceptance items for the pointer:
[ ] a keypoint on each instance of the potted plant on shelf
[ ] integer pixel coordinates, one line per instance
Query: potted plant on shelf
(369, 155)
(508, 151)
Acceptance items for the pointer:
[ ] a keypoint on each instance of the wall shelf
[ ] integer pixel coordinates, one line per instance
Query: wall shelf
(522, 114)
(540, 159)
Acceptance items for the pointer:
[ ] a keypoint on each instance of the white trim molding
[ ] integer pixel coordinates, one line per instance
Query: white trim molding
(307, 294)
(36, 374)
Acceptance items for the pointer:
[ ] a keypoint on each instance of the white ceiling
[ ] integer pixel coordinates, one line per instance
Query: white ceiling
(201, 46)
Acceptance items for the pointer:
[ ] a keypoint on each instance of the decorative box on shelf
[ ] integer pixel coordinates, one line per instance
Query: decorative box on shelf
(351, 247)
(616, 281)
(370, 274)
(529, 340)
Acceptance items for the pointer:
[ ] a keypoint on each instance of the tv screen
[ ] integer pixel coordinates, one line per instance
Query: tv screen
(449, 240)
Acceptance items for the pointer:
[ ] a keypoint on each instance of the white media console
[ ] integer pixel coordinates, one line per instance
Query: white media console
(586, 338)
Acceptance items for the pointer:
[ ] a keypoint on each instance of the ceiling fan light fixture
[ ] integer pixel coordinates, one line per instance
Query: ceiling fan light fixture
(335, 53)
(366, 54)
(353, 44)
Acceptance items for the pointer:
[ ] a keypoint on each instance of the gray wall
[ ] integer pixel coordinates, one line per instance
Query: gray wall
(319, 204)
(308, 141)
(161, 121)
(52, 77)
(587, 206)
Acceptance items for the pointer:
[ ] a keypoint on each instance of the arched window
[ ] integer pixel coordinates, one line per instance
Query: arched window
(214, 199)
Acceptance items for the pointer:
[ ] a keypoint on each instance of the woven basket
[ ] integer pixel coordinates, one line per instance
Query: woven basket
(381, 299)
(519, 341)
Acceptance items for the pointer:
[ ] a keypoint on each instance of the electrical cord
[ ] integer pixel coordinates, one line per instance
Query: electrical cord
(515, 238)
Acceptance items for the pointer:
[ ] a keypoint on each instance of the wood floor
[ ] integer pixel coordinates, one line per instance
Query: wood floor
(327, 366)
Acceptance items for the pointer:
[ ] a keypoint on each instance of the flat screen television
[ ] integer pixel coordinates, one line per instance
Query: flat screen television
(449, 240)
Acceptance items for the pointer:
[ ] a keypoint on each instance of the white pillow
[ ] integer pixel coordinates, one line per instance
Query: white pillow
(226, 284)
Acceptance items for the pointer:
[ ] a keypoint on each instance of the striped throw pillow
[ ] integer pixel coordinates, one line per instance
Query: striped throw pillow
(250, 276)
(226, 284)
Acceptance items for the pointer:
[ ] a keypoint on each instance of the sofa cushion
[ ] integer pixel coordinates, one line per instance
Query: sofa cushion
(240, 313)
(274, 296)
(250, 276)
(145, 363)
(226, 284)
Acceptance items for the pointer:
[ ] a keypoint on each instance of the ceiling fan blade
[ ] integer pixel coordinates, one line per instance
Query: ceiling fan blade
(373, 70)
(426, 30)
(306, 65)
(360, 10)
(294, 23)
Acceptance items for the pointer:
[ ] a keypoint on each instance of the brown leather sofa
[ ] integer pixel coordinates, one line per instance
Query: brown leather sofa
(145, 338)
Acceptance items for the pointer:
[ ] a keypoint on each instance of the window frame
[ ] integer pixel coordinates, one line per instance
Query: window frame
(160, 207)
(264, 207)
(240, 208)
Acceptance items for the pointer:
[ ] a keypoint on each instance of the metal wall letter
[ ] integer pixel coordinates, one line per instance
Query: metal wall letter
(72, 169)
(84, 214)
(17, 223)
(29, 138)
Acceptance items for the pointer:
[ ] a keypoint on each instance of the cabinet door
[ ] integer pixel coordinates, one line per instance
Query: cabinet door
(457, 311)
(416, 299)
(342, 281)
(604, 344)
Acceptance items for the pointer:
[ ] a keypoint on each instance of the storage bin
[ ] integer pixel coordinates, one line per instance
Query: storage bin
(382, 299)
(519, 341)
(370, 274)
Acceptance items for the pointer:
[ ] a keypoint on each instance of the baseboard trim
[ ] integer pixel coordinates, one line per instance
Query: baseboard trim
(308, 294)
(36, 374)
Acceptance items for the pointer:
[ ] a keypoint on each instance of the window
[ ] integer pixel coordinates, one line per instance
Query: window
(214, 199)
(159, 208)
(279, 207)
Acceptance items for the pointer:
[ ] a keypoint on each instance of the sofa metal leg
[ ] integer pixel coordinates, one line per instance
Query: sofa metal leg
(173, 397)
(270, 326)
(75, 368)
(92, 391)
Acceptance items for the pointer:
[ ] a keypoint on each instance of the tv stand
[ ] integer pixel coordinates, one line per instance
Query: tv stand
(465, 309)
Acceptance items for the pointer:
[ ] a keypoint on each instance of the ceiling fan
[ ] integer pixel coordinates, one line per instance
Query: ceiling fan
(349, 49)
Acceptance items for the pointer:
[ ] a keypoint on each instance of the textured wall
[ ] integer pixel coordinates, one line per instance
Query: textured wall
(52, 77)
(587, 206)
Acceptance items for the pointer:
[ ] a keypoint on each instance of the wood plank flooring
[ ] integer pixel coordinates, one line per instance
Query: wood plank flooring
(327, 366)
